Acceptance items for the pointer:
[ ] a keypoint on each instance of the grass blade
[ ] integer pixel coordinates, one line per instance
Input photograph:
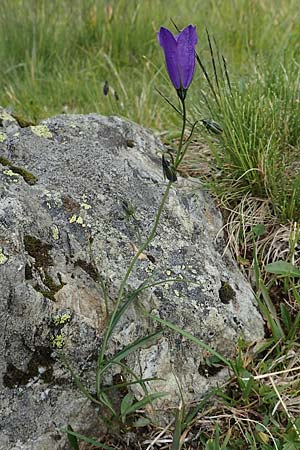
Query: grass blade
(73, 441)
(212, 59)
(176, 445)
(76, 378)
(88, 440)
(191, 338)
(145, 401)
(131, 348)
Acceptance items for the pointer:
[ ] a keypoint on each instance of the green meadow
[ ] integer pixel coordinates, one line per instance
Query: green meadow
(57, 56)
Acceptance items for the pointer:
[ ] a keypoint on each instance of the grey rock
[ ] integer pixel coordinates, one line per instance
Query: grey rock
(63, 233)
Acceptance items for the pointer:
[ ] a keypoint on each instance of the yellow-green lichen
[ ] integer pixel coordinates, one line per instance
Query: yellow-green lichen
(5, 116)
(53, 199)
(61, 320)
(3, 258)
(27, 176)
(78, 220)
(55, 232)
(85, 206)
(3, 137)
(73, 218)
(41, 131)
(58, 341)
(149, 268)
(10, 173)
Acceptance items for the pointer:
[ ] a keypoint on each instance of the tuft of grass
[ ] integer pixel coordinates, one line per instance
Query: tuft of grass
(258, 151)
(252, 167)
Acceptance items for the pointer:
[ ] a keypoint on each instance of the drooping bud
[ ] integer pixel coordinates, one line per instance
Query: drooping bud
(212, 126)
(169, 170)
(105, 88)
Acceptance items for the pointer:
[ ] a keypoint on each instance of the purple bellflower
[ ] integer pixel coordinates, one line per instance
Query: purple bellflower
(180, 56)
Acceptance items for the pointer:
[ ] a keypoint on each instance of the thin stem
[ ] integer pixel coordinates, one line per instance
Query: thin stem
(172, 105)
(183, 146)
(125, 279)
(179, 157)
(207, 77)
(186, 143)
(112, 323)
(213, 59)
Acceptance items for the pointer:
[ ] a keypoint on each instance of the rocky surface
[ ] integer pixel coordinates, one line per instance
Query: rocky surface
(77, 194)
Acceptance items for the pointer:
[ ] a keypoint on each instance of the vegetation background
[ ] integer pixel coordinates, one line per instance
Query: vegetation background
(59, 56)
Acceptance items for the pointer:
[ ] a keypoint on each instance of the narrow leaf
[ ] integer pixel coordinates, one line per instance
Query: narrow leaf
(283, 268)
(191, 338)
(105, 401)
(126, 404)
(132, 347)
(88, 440)
(145, 401)
(177, 432)
(77, 380)
(72, 439)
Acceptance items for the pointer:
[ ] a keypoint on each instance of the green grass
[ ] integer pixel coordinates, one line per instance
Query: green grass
(55, 58)
(58, 59)
(56, 55)
(259, 150)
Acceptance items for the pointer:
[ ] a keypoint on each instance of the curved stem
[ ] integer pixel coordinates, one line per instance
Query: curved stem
(112, 323)
(146, 243)
(124, 281)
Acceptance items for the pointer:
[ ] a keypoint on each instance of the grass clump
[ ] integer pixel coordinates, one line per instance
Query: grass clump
(258, 152)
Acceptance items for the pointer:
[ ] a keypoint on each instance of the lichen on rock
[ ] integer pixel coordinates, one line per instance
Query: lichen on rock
(51, 264)
(41, 131)
(3, 257)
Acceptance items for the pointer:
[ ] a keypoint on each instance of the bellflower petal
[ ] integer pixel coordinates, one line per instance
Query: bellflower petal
(179, 55)
(168, 42)
(186, 42)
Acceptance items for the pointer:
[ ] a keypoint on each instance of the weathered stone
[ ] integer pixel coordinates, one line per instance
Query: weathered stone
(65, 229)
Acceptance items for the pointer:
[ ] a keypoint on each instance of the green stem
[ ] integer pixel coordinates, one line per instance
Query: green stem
(111, 324)
(180, 154)
(125, 279)
(146, 243)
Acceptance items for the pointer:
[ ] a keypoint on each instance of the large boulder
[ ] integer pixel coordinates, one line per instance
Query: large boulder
(78, 194)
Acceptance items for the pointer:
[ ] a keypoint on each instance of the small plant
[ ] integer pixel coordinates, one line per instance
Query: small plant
(179, 53)
(247, 138)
